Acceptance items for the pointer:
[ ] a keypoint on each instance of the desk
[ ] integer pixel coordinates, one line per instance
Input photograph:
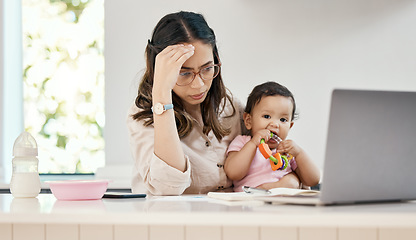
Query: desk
(198, 217)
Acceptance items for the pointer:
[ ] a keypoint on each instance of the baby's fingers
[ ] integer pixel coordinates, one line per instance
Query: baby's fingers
(265, 134)
(283, 147)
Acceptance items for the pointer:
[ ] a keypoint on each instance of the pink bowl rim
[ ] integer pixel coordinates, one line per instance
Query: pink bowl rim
(69, 182)
(74, 190)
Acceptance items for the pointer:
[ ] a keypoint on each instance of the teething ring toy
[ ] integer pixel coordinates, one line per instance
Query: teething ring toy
(277, 161)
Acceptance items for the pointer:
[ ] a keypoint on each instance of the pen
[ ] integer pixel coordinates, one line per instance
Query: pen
(248, 189)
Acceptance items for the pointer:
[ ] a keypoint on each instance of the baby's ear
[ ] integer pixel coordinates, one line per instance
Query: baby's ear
(291, 124)
(247, 120)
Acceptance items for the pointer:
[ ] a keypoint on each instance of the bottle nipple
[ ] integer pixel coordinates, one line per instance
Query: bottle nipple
(25, 145)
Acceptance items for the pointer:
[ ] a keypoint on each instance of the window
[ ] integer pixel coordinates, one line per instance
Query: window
(63, 74)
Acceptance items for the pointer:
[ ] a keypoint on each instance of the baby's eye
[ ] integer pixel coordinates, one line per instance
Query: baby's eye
(267, 116)
(283, 120)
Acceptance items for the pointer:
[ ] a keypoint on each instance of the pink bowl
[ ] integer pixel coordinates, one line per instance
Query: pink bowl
(78, 189)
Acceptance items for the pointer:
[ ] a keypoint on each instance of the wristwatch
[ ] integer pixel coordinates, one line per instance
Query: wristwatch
(159, 108)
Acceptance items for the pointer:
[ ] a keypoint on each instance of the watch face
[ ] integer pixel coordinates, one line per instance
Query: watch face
(158, 108)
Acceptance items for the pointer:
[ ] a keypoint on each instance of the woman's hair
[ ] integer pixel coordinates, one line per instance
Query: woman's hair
(269, 89)
(175, 28)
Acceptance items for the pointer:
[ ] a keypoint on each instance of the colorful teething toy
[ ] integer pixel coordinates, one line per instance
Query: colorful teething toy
(277, 161)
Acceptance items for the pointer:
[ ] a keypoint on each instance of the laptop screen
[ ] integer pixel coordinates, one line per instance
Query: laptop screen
(371, 147)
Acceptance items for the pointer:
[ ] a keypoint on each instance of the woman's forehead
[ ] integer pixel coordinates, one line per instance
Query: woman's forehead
(202, 55)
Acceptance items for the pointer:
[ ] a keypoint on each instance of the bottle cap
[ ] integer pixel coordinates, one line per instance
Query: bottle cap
(25, 145)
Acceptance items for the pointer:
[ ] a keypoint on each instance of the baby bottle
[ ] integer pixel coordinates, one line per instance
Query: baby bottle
(25, 182)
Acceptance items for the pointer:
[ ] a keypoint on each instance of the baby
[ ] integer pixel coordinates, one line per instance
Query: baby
(270, 110)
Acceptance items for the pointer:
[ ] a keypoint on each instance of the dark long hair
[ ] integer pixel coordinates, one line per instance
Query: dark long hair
(183, 27)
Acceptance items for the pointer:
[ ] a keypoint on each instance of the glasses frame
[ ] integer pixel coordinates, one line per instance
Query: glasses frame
(199, 73)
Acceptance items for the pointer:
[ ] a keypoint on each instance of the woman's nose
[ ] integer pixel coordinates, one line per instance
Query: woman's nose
(197, 82)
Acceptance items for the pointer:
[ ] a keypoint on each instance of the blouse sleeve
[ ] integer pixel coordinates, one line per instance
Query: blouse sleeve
(238, 143)
(158, 177)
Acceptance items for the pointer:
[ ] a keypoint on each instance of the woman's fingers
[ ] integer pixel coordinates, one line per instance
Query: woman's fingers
(181, 54)
(176, 53)
(169, 62)
(182, 59)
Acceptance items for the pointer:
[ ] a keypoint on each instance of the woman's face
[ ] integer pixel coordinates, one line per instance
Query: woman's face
(195, 93)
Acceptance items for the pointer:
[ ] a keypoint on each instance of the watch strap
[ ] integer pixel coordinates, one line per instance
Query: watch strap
(167, 106)
(159, 108)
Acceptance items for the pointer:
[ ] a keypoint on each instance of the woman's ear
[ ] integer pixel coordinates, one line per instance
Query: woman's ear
(247, 120)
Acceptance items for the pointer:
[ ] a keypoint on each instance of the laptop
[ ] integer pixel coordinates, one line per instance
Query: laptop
(370, 151)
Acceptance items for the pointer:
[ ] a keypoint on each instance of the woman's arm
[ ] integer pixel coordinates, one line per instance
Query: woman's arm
(159, 158)
(149, 171)
(166, 140)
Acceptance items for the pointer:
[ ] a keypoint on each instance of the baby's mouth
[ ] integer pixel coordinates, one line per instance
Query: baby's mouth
(275, 138)
(272, 141)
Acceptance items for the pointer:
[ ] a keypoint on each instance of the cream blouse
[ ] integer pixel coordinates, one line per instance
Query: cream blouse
(205, 157)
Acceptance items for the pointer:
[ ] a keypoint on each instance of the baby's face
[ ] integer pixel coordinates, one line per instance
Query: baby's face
(275, 114)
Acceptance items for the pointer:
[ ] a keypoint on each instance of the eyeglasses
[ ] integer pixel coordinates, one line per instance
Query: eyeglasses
(206, 73)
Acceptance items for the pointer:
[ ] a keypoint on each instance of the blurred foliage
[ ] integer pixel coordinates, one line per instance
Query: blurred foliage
(64, 82)
(73, 6)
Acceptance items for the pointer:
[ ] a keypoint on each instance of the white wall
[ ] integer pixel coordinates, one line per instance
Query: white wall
(311, 47)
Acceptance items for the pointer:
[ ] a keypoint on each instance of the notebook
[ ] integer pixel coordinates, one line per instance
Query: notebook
(257, 194)
(370, 150)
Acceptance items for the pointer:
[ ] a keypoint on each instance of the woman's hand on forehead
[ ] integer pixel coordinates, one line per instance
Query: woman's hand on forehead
(169, 62)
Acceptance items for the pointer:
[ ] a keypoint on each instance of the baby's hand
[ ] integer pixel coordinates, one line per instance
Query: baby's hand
(289, 146)
(261, 134)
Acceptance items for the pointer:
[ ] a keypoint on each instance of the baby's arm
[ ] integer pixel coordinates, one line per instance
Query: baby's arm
(307, 171)
(238, 163)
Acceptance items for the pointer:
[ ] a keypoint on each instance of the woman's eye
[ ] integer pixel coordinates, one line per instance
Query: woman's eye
(207, 69)
(185, 74)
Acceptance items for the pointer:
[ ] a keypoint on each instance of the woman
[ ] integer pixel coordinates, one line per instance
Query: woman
(183, 119)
